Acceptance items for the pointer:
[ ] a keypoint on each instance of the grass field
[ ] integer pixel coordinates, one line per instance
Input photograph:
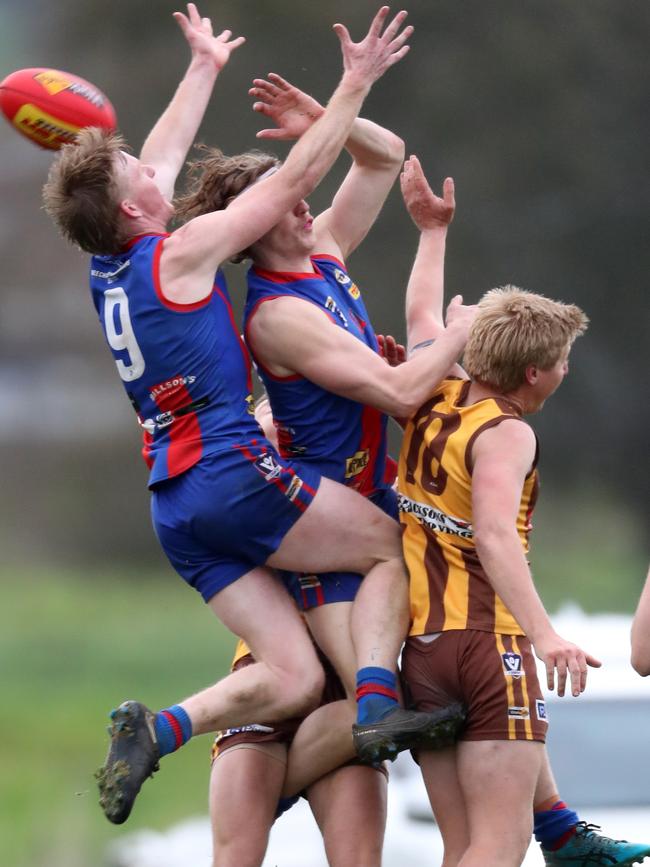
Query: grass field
(72, 647)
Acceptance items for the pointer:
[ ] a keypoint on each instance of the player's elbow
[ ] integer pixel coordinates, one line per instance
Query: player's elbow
(640, 661)
(489, 537)
(395, 150)
(402, 404)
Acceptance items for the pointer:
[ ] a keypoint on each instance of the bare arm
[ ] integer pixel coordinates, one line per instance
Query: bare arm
(502, 456)
(377, 156)
(641, 632)
(334, 359)
(170, 139)
(432, 216)
(193, 253)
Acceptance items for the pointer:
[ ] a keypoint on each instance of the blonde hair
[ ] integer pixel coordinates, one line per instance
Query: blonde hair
(82, 194)
(215, 179)
(514, 329)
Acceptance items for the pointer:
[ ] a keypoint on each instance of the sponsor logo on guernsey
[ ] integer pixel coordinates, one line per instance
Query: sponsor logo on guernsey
(518, 712)
(434, 518)
(294, 488)
(512, 664)
(171, 386)
(358, 462)
(540, 708)
(332, 306)
(148, 424)
(111, 276)
(250, 404)
(268, 466)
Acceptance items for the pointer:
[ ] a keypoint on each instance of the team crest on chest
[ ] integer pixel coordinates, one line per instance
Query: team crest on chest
(346, 281)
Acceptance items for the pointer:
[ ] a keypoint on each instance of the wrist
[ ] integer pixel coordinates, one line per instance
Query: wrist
(204, 64)
(458, 331)
(540, 632)
(435, 230)
(354, 83)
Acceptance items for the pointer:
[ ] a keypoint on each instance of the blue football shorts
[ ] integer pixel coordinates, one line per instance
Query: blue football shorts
(310, 591)
(229, 512)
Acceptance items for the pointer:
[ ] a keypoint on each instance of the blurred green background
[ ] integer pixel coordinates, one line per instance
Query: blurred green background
(539, 112)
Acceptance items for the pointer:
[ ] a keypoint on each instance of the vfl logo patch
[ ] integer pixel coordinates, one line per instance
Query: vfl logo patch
(518, 713)
(512, 664)
(540, 707)
(267, 465)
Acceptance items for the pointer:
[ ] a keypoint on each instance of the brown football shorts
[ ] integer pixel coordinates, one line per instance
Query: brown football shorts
(494, 676)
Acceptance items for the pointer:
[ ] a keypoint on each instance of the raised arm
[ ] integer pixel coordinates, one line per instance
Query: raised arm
(502, 456)
(338, 362)
(641, 632)
(194, 251)
(426, 287)
(376, 152)
(169, 141)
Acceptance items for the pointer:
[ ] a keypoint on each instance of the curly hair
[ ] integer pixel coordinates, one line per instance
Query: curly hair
(215, 180)
(514, 329)
(82, 194)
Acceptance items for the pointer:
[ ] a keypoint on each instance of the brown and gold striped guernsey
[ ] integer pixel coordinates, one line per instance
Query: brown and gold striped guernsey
(241, 651)
(448, 586)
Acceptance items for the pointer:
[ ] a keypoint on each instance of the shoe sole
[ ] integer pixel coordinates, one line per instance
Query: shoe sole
(111, 776)
(377, 746)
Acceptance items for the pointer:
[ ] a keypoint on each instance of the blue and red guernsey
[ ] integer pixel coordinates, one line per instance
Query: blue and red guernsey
(344, 439)
(185, 368)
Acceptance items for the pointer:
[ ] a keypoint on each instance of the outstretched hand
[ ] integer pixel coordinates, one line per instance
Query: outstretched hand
(566, 658)
(427, 210)
(369, 59)
(290, 109)
(203, 43)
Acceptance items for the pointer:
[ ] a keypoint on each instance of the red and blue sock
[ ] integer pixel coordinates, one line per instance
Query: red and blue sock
(173, 729)
(554, 826)
(376, 694)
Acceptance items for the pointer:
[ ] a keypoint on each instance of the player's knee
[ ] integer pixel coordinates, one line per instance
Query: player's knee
(304, 689)
(508, 849)
(238, 850)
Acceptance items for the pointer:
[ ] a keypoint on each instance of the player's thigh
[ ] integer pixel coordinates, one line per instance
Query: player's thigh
(245, 786)
(349, 806)
(258, 609)
(330, 627)
(341, 530)
(440, 774)
(498, 779)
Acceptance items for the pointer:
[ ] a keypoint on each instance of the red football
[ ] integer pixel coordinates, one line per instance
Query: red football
(50, 107)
